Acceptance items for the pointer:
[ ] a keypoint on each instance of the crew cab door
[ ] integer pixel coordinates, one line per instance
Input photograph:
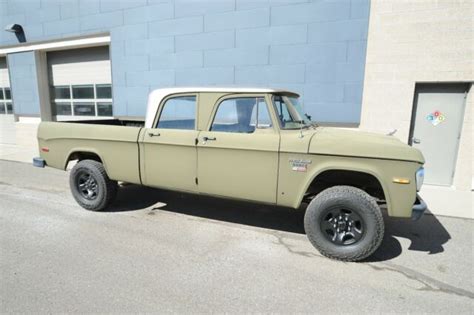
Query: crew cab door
(238, 153)
(168, 151)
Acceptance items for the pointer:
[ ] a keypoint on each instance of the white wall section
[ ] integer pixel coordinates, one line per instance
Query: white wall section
(4, 77)
(80, 66)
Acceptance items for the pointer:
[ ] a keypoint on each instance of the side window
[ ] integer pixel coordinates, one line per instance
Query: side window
(260, 116)
(178, 113)
(282, 109)
(241, 115)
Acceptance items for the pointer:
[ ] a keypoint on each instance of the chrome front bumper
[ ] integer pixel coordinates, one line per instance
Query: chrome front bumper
(418, 209)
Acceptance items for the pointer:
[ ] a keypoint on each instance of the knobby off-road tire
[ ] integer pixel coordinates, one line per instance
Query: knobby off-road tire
(90, 185)
(327, 223)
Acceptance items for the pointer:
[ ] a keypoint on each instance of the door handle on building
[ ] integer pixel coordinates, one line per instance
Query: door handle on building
(415, 140)
(154, 134)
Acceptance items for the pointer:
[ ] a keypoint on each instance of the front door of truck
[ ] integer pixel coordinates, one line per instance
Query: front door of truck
(169, 149)
(238, 153)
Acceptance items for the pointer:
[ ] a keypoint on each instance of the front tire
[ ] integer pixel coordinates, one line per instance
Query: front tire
(344, 223)
(90, 185)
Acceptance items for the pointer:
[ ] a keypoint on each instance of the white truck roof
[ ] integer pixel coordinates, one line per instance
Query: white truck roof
(156, 96)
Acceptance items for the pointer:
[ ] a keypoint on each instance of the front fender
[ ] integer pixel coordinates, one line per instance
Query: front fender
(292, 185)
(332, 166)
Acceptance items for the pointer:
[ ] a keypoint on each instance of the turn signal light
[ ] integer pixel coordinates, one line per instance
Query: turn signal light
(45, 149)
(401, 180)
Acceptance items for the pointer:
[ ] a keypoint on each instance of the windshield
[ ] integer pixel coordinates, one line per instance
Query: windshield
(290, 112)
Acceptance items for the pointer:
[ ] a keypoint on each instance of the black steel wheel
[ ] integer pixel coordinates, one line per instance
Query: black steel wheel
(342, 226)
(87, 185)
(91, 186)
(344, 223)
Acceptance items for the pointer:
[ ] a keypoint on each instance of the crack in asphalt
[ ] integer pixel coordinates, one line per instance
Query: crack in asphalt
(428, 283)
(289, 248)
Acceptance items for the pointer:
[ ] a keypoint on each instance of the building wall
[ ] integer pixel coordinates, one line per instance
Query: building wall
(421, 41)
(24, 83)
(314, 47)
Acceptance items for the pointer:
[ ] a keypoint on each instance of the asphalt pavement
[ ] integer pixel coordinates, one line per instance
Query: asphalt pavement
(159, 251)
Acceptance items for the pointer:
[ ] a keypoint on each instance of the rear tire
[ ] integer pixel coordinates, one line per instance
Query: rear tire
(344, 223)
(91, 186)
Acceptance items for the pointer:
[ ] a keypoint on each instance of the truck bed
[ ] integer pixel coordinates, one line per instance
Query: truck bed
(113, 142)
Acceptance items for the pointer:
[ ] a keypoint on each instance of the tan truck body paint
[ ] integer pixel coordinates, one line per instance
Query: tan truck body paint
(273, 165)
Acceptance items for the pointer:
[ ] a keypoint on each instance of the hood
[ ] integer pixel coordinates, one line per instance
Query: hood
(336, 141)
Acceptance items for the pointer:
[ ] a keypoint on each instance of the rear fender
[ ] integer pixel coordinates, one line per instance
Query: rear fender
(90, 151)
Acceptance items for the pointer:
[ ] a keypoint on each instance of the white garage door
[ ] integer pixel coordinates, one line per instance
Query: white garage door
(5, 93)
(81, 83)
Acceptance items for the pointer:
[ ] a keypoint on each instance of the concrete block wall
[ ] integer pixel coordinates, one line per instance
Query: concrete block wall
(314, 47)
(421, 41)
(409, 42)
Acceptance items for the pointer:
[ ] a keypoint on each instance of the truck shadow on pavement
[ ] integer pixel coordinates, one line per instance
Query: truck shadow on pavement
(426, 235)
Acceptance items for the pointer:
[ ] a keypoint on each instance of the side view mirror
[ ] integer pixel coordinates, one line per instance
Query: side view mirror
(308, 116)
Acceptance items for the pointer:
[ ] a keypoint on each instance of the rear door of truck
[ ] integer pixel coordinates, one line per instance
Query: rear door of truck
(168, 153)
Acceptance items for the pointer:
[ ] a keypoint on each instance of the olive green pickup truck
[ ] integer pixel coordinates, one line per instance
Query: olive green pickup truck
(251, 144)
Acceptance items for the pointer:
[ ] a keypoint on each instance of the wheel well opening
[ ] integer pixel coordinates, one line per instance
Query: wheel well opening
(79, 156)
(361, 180)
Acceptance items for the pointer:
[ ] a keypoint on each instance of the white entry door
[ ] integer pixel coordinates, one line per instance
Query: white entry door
(439, 111)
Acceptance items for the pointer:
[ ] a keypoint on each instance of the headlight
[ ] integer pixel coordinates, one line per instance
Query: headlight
(420, 177)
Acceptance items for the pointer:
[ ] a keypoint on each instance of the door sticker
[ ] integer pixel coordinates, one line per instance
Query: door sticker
(435, 118)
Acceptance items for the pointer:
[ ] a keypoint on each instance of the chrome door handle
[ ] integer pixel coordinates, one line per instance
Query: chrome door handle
(154, 134)
(209, 139)
(416, 140)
